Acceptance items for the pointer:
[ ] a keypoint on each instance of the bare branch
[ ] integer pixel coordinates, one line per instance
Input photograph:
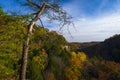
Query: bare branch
(33, 4)
(50, 6)
(41, 22)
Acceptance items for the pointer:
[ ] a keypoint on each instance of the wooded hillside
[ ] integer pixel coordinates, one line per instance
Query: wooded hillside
(50, 57)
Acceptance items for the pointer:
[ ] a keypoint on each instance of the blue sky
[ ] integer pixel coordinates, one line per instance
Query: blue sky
(95, 20)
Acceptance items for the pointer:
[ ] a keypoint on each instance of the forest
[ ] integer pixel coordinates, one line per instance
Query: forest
(51, 57)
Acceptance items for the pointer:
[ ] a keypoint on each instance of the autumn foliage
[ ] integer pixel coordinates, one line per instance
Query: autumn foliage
(50, 56)
(73, 71)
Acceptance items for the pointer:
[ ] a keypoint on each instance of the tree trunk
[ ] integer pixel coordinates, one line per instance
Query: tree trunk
(26, 44)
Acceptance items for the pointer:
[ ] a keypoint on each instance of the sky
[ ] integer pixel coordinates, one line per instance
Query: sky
(94, 20)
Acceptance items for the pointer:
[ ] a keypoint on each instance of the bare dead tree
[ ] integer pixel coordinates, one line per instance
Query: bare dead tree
(48, 8)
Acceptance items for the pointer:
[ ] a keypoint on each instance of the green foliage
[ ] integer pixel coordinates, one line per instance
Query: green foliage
(12, 33)
(38, 64)
(1, 11)
(52, 43)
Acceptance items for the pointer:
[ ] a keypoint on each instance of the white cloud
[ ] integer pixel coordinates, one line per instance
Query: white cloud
(95, 29)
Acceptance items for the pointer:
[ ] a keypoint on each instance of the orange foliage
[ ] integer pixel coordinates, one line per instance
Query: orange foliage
(72, 72)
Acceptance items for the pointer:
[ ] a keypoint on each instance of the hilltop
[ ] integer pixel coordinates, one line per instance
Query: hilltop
(109, 49)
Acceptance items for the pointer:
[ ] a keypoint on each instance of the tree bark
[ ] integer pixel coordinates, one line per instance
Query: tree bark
(26, 44)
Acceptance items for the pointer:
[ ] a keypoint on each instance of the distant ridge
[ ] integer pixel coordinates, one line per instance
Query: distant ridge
(108, 49)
